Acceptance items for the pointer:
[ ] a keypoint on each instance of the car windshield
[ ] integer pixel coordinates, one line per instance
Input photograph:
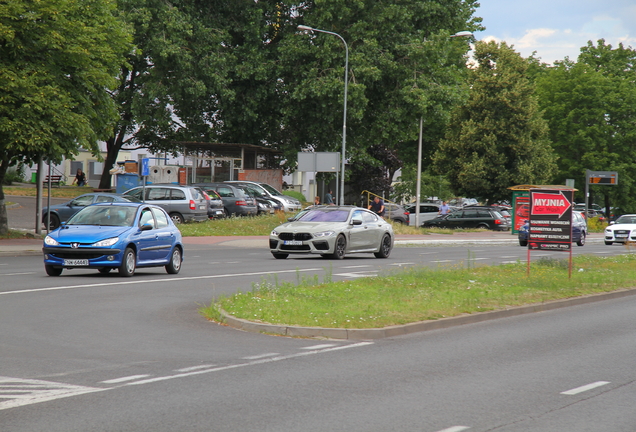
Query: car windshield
(270, 189)
(626, 220)
(324, 215)
(104, 216)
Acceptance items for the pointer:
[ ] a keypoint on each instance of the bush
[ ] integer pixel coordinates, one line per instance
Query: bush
(296, 195)
(14, 174)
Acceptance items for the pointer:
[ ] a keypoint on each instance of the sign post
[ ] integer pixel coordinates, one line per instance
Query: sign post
(550, 223)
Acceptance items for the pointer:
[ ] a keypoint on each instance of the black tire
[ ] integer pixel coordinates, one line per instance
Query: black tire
(340, 248)
(523, 242)
(128, 263)
(174, 265)
(608, 243)
(581, 241)
(227, 213)
(54, 223)
(385, 247)
(177, 218)
(104, 270)
(483, 226)
(53, 271)
(280, 255)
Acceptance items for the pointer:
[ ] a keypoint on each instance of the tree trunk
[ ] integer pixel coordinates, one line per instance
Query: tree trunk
(4, 219)
(113, 145)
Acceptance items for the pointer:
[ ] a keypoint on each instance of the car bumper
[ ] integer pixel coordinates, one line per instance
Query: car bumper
(95, 257)
(314, 246)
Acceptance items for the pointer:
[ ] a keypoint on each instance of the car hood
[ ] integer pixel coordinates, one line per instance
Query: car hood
(86, 233)
(312, 226)
(622, 227)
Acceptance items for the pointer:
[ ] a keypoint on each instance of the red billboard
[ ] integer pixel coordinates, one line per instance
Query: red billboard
(550, 222)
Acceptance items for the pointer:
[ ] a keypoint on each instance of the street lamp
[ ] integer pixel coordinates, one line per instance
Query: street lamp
(344, 120)
(419, 151)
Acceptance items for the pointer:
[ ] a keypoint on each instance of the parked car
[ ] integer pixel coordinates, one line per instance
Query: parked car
(579, 230)
(427, 212)
(61, 212)
(215, 204)
(396, 213)
(622, 230)
(121, 236)
(236, 201)
(471, 218)
(182, 203)
(333, 232)
(289, 204)
(264, 205)
(504, 211)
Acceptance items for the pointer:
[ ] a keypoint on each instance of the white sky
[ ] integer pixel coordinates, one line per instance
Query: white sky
(556, 29)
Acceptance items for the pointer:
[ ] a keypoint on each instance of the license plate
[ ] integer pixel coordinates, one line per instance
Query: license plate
(292, 242)
(202, 207)
(621, 235)
(75, 262)
(219, 212)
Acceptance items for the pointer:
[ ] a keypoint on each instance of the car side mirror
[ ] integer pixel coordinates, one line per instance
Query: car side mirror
(356, 221)
(612, 222)
(145, 227)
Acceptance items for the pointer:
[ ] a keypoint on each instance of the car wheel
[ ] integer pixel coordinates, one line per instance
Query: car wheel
(128, 263)
(280, 255)
(53, 271)
(581, 241)
(174, 265)
(385, 247)
(104, 270)
(227, 213)
(523, 242)
(54, 222)
(483, 226)
(340, 248)
(608, 243)
(399, 221)
(176, 218)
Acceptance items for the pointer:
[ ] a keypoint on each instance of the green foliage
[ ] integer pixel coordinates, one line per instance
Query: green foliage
(14, 174)
(498, 138)
(590, 107)
(299, 196)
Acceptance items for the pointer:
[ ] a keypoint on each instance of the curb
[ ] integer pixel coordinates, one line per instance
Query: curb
(416, 327)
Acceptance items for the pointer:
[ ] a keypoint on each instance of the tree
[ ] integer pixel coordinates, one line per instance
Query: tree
(57, 60)
(498, 138)
(590, 107)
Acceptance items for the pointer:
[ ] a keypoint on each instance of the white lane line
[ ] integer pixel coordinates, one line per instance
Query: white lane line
(355, 266)
(16, 274)
(124, 379)
(585, 388)
(402, 264)
(260, 356)
(193, 368)
(251, 363)
(455, 429)
(317, 347)
(356, 275)
(478, 259)
(508, 262)
(443, 261)
(154, 281)
(21, 392)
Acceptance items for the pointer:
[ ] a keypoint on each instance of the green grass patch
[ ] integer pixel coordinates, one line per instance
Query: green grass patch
(420, 294)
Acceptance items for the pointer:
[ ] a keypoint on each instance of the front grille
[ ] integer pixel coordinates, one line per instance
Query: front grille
(295, 236)
(273, 244)
(621, 231)
(321, 245)
(295, 248)
(66, 255)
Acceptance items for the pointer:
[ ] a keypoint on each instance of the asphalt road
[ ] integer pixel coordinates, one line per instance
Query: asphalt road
(23, 215)
(91, 352)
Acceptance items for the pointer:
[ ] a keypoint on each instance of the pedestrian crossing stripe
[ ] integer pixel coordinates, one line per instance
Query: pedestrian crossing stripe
(15, 392)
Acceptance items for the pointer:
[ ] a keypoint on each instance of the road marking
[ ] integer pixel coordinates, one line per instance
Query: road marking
(356, 275)
(509, 256)
(317, 347)
(585, 388)
(455, 429)
(402, 264)
(355, 266)
(478, 259)
(443, 261)
(260, 356)
(124, 379)
(508, 262)
(22, 392)
(154, 281)
(193, 368)
(251, 363)
(16, 274)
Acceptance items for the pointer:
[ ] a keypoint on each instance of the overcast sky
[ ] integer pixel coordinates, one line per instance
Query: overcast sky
(557, 28)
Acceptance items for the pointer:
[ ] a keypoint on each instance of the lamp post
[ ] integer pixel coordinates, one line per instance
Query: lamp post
(344, 120)
(419, 151)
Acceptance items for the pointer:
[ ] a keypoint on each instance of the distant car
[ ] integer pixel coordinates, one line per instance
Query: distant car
(471, 218)
(396, 213)
(236, 201)
(215, 204)
(579, 230)
(504, 211)
(121, 236)
(288, 203)
(622, 230)
(333, 232)
(61, 212)
(427, 212)
(183, 203)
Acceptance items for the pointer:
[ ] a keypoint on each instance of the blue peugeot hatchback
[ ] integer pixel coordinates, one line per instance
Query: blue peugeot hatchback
(122, 236)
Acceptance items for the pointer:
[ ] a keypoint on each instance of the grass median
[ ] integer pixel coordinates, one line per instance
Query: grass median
(420, 294)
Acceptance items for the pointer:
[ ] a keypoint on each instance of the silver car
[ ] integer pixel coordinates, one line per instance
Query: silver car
(182, 203)
(333, 232)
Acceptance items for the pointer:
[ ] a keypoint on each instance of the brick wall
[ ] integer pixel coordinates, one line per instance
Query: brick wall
(271, 177)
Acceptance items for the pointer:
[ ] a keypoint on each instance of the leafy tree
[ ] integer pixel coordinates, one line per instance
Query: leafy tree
(498, 138)
(590, 106)
(57, 60)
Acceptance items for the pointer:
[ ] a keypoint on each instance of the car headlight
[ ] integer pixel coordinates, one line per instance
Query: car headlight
(274, 233)
(324, 234)
(608, 231)
(108, 242)
(50, 241)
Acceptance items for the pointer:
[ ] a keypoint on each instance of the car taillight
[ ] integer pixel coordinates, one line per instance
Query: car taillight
(193, 205)
(497, 221)
(406, 214)
(240, 202)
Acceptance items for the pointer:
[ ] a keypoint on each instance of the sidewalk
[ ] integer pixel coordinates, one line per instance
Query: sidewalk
(23, 247)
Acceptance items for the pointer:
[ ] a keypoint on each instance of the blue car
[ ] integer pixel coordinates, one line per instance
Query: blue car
(120, 236)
